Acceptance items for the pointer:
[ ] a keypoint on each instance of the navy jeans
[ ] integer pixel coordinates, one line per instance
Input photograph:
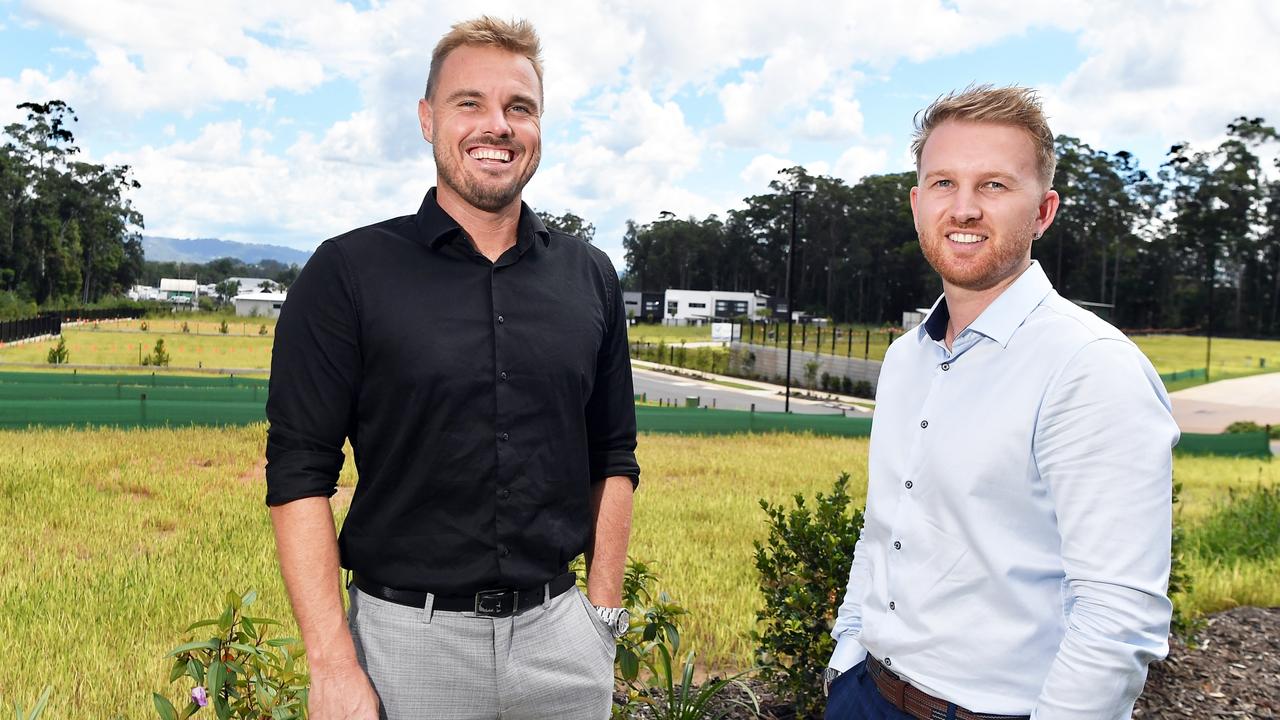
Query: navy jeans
(854, 697)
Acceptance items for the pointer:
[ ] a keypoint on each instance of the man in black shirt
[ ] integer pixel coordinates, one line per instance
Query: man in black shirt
(478, 364)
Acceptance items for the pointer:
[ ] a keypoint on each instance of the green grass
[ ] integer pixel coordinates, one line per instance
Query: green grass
(120, 343)
(1231, 357)
(114, 541)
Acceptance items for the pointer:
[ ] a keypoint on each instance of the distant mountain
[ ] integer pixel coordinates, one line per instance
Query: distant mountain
(202, 250)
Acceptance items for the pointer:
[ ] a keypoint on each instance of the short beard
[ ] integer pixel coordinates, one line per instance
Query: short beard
(1006, 259)
(478, 195)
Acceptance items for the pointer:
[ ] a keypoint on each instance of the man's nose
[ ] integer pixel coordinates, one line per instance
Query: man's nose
(965, 207)
(495, 123)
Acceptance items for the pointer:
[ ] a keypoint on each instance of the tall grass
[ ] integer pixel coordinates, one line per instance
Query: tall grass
(113, 541)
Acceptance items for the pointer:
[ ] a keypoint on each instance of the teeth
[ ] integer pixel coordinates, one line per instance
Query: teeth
(966, 238)
(488, 154)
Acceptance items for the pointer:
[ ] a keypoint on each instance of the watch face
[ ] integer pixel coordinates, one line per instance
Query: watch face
(622, 623)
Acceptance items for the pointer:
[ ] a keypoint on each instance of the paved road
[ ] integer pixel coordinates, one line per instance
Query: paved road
(1211, 408)
(659, 385)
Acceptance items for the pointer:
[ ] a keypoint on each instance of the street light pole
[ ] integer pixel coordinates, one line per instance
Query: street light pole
(791, 251)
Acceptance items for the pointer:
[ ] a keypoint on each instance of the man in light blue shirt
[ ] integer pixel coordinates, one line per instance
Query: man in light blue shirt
(1015, 554)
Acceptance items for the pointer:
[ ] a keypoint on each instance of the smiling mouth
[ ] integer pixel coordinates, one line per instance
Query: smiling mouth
(966, 238)
(490, 154)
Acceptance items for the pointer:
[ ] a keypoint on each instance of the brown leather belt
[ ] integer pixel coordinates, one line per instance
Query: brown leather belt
(918, 703)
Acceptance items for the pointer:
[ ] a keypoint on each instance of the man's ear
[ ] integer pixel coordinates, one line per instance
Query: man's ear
(425, 119)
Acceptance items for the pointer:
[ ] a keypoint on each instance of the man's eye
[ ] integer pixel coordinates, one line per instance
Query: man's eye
(468, 103)
(994, 185)
(942, 184)
(520, 109)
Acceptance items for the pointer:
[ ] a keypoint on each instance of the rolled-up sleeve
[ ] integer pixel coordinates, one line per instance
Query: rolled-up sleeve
(315, 365)
(611, 409)
(1103, 444)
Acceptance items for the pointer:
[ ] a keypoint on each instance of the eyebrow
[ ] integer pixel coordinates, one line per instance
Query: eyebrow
(985, 174)
(520, 98)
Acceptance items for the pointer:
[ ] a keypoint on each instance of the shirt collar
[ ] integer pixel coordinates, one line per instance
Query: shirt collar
(1003, 316)
(436, 227)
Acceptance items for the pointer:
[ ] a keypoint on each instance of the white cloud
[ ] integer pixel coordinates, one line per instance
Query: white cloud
(1179, 74)
(763, 169)
(859, 161)
(842, 122)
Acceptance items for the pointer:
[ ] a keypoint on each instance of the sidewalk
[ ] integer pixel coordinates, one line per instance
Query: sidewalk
(771, 389)
(1212, 407)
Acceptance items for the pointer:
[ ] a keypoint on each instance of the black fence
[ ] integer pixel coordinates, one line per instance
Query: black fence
(50, 322)
(14, 330)
(82, 314)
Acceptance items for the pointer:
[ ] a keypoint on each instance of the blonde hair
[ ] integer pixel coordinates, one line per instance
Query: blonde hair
(1016, 106)
(517, 36)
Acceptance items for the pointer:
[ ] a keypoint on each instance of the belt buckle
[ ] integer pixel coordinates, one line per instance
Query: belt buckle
(496, 603)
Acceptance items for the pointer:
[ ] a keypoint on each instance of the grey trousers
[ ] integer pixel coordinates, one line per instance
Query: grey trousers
(552, 661)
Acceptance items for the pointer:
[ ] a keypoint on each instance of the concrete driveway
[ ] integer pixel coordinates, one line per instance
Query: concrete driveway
(1211, 408)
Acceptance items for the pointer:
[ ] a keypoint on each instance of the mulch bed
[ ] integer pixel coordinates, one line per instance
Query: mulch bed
(1232, 672)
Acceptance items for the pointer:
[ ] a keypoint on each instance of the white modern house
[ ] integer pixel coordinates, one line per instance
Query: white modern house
(259, 304)
(253, 285)
(178, 291)
(684, 307)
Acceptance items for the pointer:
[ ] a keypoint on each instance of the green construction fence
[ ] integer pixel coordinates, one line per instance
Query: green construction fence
(79, 399)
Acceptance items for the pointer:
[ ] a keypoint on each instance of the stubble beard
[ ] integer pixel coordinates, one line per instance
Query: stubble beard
(483, 196)
(1002, 257)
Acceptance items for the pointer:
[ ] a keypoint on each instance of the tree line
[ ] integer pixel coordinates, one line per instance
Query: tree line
(67, 228)
(1197, 239)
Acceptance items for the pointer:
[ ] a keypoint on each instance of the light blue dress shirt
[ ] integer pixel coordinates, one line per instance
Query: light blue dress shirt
(1015, 553)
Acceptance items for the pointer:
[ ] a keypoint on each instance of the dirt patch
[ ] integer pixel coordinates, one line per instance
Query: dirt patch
(1233, 672)
(202, 463)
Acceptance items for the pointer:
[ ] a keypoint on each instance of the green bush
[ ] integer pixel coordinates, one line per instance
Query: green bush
(239, 671)
(158, 357)
(59, 355)
(1248, 426)
(864, 389)
(13, 307)
(37, 709)
(804, 569)
(222, 327)
(1183, 624)
(846, 385)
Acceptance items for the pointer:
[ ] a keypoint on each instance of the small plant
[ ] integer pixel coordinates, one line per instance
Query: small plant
(222, 327)
(825, 382)
(1248, 426)
(846, 385)
(37, 709)
(804, 568)
(864, 389)
(158, 357)
(241, 672)
(143, 326)
(59, 355)
(262, 329)
(811, 373)
(1183, 624)
(185, 327)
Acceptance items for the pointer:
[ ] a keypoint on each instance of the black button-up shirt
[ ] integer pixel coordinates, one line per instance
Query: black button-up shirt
(482, 399)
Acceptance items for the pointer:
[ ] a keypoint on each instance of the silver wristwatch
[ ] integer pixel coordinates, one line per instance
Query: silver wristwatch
(828, 676)
(618, 619)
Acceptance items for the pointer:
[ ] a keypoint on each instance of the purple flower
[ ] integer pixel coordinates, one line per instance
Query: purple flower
(199, 696)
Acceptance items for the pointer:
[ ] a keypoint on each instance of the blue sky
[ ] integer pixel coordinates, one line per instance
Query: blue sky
(293, 121)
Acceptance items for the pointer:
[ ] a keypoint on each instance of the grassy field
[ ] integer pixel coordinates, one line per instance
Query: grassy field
(115, 540)
(121, 343)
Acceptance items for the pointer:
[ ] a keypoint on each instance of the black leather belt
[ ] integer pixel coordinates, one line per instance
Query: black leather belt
(486, 603)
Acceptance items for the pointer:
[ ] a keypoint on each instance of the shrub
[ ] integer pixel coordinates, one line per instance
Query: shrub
(158, 357)
(59, 355)
(222, 327)
(864, 389)
(1183, 624)
(143, 326)
(262, 329)
(241, 672)
(846, 385)
(185, 327)
(1248, 426)
(804, 569)
(825, 381)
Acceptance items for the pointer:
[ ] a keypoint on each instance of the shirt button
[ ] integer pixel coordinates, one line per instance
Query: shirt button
(504, 494)
(503, 550)
(897, 545)
(924, 424)
(888, 662)
(946, 366)
(501, 319)
(505, 436)
(909, 484)
(892, 606)
(502, 375)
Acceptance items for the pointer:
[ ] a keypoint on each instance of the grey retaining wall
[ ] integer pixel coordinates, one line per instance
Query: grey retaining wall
(772, 362)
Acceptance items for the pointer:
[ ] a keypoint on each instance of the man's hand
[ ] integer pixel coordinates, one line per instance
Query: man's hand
(341, 693)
